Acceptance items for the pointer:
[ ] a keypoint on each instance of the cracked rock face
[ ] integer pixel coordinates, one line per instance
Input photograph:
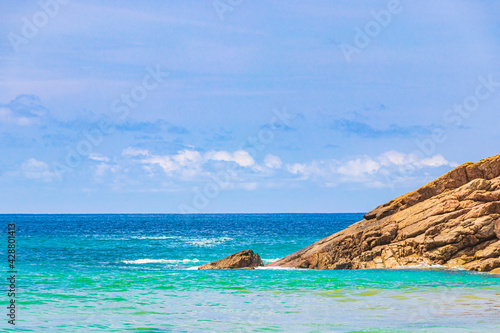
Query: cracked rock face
(453, 221)
(243, 259)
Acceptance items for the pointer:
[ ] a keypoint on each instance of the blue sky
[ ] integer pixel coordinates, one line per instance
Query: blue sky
(240, 106)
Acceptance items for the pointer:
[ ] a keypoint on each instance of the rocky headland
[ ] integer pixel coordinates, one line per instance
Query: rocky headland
(453, 221)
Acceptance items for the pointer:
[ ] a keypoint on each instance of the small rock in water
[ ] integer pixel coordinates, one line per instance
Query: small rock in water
(243, 259)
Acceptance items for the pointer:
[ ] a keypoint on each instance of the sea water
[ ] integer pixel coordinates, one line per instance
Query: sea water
(121, 273)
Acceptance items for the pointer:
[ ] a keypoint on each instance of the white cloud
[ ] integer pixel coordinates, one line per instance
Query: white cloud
(130, 151)
(396, 158)
(297, 168)
(238, 169)
(185, 164)
(434, 162)
(315, 169)
(34, 169)
(245, 173)
(7, 116)
(188, 158)
(219, 156)
(241, 157)
(390, 161)
(372, 171)
(102, 169)
(359, 167)
(272, 161)
(98, 157)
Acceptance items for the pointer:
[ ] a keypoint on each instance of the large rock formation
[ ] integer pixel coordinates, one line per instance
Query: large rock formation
(453, 221)
(243, 259)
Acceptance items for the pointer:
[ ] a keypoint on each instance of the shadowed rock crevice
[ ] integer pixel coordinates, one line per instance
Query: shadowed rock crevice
(453, 221)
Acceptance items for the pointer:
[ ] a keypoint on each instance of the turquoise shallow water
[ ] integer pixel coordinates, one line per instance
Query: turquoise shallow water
(119, 273)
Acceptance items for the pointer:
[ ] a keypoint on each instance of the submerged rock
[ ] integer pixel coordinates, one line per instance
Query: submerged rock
(243, 259)
(453, 221)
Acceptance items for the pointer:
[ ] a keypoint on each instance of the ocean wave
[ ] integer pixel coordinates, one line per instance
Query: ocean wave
(268, 261)
(208, 241)
(202, 242)
(153, 237)
(159, 261)
(422, 266)
(279, 268)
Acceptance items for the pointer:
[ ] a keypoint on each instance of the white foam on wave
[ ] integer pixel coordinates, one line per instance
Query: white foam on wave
(159, 261)
(208, 241)
(422, 265)
(203, 242)
(153, 237)
(127, 238)
(426, 266)
(279, 268)
(268, 261)
(194, 268)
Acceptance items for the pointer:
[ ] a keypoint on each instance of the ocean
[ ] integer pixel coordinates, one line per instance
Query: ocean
(127, 273)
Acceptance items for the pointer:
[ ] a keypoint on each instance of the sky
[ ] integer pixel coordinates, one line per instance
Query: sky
(238, 106)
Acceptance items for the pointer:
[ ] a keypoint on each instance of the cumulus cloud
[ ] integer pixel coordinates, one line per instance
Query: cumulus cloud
(272, 161)
(189, 163)
(435, 161)
(24, 110)
(396, 158)
(359, 167)
(297, 168)
(240, 170)
(103, 169)
(98, 157)
(373, 171)
(314, 169)
(186, 163)
(7, 116)
(130, 151)
(390, 161)
(34, 169)
(240, 157)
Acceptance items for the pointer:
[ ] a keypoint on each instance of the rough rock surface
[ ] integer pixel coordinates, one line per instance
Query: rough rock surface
(243, 259)
(453, 221)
